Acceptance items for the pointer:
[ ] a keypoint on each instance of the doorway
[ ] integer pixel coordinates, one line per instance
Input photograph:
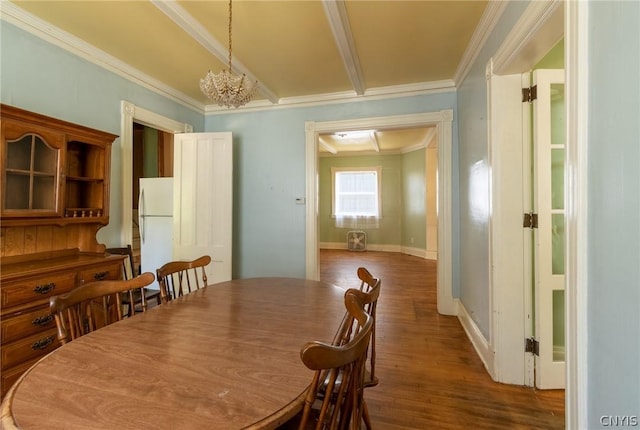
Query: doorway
(131, 113)
(152, 158)
(540, 28)
(442, 121)
(395, 209)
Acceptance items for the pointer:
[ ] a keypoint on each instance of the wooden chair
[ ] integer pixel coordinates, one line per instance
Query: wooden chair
(93, 305)
(369, 293)
(178, 278)
(349, 326)
(337, 384)
(367, 280)
(129, 272)
(369, 297)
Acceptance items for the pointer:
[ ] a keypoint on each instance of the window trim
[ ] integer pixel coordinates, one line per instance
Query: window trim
(378, 172)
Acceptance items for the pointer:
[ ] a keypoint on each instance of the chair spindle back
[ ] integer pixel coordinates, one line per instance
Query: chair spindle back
(178, 278)
(93, 305)
(339, 373)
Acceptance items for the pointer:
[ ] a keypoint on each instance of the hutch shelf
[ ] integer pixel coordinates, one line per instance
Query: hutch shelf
(54, 199)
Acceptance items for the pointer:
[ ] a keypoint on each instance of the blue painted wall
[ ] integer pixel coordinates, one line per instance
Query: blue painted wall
(474, 177)
(269, 228)
(270, 174)
(613, 282)
(269, 157)
(43, 78)
(613, 204)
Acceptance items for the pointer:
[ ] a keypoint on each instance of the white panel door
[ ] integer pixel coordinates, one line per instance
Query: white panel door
(203, 200)
(549, 134)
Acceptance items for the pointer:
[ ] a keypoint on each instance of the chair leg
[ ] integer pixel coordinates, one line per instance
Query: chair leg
(365, 415)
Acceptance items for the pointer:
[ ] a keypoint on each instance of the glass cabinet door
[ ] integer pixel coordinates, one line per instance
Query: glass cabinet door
(31, 180)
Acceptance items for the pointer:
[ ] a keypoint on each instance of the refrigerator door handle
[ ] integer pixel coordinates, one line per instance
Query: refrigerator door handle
(141, 215)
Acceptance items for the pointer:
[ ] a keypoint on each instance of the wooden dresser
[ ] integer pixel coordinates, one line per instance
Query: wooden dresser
(54, 199)
(27, 329)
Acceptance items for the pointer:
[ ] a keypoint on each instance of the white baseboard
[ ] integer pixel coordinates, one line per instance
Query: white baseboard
(384, 248)
(481, 345)
(332, 245)
(417, 252)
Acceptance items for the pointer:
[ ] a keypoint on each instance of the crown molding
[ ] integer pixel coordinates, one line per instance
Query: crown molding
(371, 152)
(380, 93)
(47, 32)
(487, 23)
(51, 34)
(429, 140)
(412, 148)
(383, 122)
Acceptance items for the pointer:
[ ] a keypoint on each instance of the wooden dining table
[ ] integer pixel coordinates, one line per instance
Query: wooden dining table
(226, 356)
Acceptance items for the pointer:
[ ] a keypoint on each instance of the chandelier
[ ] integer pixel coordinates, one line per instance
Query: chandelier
(226, 89)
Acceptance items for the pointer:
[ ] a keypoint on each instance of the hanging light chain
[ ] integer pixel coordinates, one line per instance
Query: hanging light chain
(230, 36)
(226, 89)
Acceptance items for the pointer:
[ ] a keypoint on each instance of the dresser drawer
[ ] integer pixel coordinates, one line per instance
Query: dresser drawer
(29, 290)
(26, 324)
(29, 348)
(101, 273)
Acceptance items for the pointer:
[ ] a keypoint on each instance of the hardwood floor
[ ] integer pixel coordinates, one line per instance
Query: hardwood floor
(430, 375)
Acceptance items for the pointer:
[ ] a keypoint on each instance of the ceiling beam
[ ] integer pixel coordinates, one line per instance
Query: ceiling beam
(193, 28)
(326, 146)
(336, 12)
(374, 141)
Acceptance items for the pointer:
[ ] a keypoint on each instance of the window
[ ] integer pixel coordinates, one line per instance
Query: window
(356, 192)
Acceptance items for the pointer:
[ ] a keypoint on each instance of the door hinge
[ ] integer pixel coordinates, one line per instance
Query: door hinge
(532, 345)
(530, 94)
(530, 220)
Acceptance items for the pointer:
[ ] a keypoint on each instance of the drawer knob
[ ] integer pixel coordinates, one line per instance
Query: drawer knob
(44, 289)
(100, 275)
(43, 343)
(42, 320)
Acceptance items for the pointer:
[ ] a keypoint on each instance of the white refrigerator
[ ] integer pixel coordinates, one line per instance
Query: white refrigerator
(155, 221)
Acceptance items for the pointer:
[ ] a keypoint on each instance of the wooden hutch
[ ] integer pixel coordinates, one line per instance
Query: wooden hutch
(55, 198)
